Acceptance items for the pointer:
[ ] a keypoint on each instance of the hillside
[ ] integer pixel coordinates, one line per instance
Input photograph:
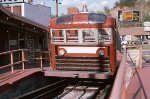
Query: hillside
(143, 6)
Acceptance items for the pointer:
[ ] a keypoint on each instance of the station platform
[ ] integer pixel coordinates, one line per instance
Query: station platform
(9, 78)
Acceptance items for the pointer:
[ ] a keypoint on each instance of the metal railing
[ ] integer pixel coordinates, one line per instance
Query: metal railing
(39, 56)
(42, 55)
(12, 63)
(116, 92)
(125, 72)
(134, 69)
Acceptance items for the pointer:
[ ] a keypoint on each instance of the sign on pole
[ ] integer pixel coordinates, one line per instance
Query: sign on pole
(130, 16)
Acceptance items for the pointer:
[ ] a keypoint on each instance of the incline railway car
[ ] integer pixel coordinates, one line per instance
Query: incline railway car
(83, 45)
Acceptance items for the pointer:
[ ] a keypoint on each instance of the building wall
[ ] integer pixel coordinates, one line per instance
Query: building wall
(15, 1)
(15, 8)
(37, 13)
(72, 10)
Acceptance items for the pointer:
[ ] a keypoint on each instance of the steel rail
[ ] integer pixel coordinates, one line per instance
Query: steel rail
(59, 97)
(104, 92)
(49, 93)
(38, 92)
(86, 90)
(99, 93)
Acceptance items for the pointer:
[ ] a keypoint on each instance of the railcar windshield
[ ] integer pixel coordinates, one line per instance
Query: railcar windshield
(92, 19)
(81, 36)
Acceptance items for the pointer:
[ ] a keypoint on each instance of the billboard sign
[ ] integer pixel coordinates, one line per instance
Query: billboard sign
(130, 16)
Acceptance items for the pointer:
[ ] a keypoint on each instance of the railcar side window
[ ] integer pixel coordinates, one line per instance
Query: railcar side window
(57, 36)
(89, 35)
(105, 35)
(72, 35)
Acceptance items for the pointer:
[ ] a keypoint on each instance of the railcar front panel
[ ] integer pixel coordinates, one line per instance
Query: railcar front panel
(82, 58)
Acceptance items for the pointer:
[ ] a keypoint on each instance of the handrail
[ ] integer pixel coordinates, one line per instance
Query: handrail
(41, 58)
(7, 52)
(135, 69)
(24, 58)
(116, 92)
(120, 84)
(12, 63)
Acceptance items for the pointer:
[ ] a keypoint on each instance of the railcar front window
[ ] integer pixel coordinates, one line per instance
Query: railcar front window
(104, 35)
(72, 35)
(89, 35)
(101, 35)
(57, 36)
(97, 35)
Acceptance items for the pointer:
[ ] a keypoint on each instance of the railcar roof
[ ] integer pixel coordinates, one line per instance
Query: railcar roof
(81, 20)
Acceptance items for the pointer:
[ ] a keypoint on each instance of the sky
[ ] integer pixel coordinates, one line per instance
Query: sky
(93, 5)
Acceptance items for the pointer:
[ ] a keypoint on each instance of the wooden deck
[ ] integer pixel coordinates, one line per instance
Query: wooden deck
(9, 78)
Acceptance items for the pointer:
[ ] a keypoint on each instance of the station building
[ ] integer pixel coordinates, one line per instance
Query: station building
(134, 33)
(18, 32)
(23, 25)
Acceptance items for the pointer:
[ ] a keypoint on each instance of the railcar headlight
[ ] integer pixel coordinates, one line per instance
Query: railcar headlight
(61, 52)
(101, 53)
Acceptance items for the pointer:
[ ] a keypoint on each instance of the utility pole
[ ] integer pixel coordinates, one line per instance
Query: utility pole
(56, 8)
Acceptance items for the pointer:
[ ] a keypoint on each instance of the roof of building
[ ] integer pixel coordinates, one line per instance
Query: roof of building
(133, 31)
(8, 14)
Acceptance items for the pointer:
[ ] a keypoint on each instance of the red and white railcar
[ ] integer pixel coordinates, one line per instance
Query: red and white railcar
(83, 45)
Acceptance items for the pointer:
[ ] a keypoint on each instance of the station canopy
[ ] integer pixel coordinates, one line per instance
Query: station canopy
(11, 20)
